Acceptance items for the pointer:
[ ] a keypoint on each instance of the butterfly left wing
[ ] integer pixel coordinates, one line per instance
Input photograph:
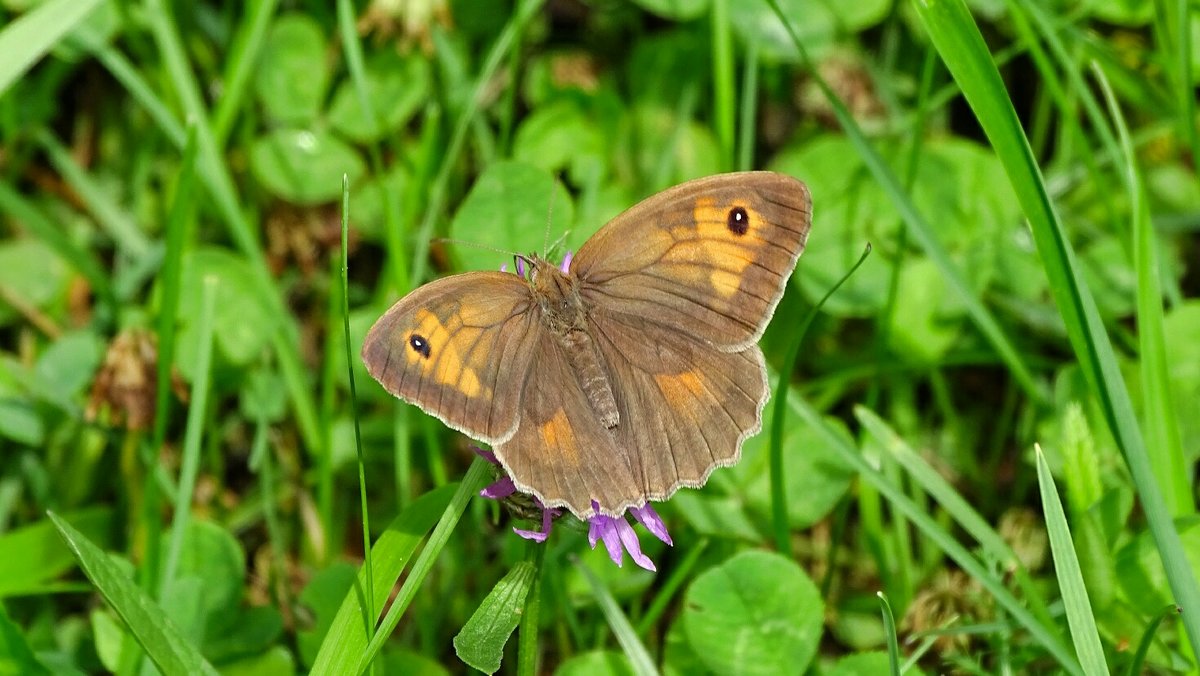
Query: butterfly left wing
(709, 257)
(460, 348)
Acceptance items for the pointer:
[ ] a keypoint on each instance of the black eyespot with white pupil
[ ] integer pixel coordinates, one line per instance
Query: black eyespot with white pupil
(738, 221)
(419, 345)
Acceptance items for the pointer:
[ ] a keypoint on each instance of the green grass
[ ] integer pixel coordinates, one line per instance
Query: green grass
(205, 206)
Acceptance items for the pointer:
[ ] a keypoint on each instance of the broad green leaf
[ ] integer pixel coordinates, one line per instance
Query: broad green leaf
(756, 613)
(715, 515)
(67, 366)
(30, 271)
(293, 74)
(596, 663)
(274, 660)
(818, 24)
(815, 477)
(154, 631)
(43, 556)
(321, 598)
(1140, 569)
(1180, 327)
(509, 208)
(242, 325)
(561, 136)
(396, 87)
(304, 167)
(480, 643)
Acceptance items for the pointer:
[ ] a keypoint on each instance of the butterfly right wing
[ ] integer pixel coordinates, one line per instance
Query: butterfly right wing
(460, 348)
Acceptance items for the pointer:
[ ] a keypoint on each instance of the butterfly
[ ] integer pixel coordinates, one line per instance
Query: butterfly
(630, 372)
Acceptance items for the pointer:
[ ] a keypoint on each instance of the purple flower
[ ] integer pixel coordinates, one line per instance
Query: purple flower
(615, 531)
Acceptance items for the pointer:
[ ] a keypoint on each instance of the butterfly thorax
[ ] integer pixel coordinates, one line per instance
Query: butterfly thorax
(565, 317)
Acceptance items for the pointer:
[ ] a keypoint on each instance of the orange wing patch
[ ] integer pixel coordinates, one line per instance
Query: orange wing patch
(446, 363)
(558, 434)
(713, 245)
(679, 388)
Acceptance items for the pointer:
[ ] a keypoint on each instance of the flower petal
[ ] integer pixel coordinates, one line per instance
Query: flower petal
(566, 264)
(486, 455)
(532, 534)
(650, 519)
(501, 488)
(630, 540)
(520, 266)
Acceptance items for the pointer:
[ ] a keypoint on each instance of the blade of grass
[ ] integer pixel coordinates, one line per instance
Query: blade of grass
(529, 631)
(680, 573)
(154, 631)
(347, 637)
(239, 65)
(779, 509)
(1162, 429)
(285, 339)
(439, 189)
(957, 39)
(189, 465)
(1039, 629)
(369, 611)
(1070, 579)
(748, 111)
(639, 658)
(178, 228)
(889, 630)
(352, 49)
(1136, 664)
(471, 484)
(82, 259)
(920, 229)
(959, 509)
(111, 218)
(724, 108)
(35, 33)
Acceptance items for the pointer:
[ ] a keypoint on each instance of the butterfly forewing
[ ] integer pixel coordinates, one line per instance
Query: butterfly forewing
(709, 257)
(460, 348)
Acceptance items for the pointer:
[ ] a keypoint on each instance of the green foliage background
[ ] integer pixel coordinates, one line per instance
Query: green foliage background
(181, 454)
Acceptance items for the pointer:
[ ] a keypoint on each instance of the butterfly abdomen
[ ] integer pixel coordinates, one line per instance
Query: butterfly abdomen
(584, 358)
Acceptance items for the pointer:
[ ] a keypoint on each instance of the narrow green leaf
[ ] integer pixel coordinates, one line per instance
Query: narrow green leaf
(958, 41)
(347, 638)
(1041, 631)
(25, 40)
(190, 464)
(480, 643)
(639, 657)
(470, 486)
(16, 657)
(154, 631)
(1070, 578)
(889, 629)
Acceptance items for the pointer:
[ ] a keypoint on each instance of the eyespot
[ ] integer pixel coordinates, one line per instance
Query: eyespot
(738, 221)
(419, 345)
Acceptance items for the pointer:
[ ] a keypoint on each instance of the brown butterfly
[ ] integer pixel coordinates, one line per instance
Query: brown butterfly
(630, 374)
